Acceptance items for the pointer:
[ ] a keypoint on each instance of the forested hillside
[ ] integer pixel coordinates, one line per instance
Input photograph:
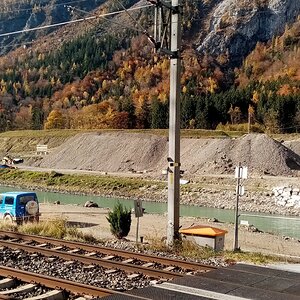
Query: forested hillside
(103, 75)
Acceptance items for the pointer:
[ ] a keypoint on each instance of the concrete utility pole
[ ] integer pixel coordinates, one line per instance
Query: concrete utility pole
(166, 12)
(174, 125)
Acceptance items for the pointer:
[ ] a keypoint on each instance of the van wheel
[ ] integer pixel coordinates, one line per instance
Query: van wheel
(8, 219)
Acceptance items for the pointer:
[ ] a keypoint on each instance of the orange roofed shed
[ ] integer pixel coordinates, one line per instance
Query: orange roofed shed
(203, 230)
(206, 236)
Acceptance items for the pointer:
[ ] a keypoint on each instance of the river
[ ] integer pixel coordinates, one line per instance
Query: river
(276, 224)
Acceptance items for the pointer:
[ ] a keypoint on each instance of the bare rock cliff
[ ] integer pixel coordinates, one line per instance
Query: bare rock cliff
(235, 26)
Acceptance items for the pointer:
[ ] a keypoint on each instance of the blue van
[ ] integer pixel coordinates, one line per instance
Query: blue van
(19, 207)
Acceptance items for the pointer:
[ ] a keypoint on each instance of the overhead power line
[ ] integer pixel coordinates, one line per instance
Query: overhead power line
(75, 10)
(73, 21)
(31, 8)
(130, 16)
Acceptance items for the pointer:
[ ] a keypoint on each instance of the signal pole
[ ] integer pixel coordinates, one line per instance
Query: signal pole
(174, 125)
(240, 173)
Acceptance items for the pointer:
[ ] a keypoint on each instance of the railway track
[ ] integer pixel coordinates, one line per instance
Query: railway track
(84, 269)
(153, 266)
(58, 288)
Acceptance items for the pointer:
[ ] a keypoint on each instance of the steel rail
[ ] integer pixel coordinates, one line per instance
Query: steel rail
(92, 260)
(56, 283)
(111, 251)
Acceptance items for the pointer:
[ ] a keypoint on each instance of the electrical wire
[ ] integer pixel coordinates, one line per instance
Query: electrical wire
(31, 8)
(72, 21)
(107, 19)
(130, 16)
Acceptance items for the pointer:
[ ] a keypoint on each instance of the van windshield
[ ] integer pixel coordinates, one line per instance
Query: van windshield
(27, 198)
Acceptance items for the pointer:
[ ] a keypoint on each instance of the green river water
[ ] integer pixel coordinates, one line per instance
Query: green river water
(280, 225)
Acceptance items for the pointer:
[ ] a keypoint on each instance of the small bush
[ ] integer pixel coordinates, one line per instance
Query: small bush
(120, 221)
(243, 127)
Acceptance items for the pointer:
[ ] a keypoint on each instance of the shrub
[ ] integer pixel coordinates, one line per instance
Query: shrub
(120, 221)
(243, 127)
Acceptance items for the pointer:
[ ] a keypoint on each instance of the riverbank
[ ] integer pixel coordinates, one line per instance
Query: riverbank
(153, 227)
(201, 191)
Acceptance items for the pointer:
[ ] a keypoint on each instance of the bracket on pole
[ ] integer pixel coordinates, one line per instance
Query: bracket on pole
(160, 3)
(172, 54)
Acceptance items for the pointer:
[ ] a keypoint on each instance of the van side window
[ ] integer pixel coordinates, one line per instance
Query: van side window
(9, 200)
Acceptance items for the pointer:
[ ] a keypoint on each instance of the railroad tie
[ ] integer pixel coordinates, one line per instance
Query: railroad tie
(90, 254)
(52, 259)
(51, 295)
(69, 262)
(57, 248)
(108, 257)
(7, 283)
(133, 276)
(147, 265)
(74, 250)
(42, 245)
(127, 261)
(89, 267)
(170, 268)
(110, 271)
(26, 242)
(24, 288)
(14, 240)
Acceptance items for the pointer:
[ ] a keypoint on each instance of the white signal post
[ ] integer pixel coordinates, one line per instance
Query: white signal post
(240, 173)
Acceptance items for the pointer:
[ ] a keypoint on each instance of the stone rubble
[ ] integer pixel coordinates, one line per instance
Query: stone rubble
(287, 196)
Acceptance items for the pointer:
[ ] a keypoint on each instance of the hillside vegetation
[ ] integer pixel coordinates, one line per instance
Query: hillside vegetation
(98, 76)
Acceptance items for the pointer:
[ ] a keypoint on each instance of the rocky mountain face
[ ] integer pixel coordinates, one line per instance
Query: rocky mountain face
(25, 14)
(218, 26)
(235, 26)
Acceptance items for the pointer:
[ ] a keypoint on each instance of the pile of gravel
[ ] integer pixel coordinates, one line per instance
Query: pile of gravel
(137, 152)
(107, 152)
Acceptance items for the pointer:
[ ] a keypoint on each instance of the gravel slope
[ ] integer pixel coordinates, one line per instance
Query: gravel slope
(136, 152)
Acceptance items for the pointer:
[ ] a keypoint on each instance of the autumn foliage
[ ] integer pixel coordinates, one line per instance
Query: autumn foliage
(111, 83)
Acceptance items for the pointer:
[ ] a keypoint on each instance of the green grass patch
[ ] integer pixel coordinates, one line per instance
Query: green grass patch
(90, 184)
(252, 257)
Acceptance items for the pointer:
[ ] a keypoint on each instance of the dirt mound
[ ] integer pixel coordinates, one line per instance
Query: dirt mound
(263, 154)
(107, 152)
(123, 152)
